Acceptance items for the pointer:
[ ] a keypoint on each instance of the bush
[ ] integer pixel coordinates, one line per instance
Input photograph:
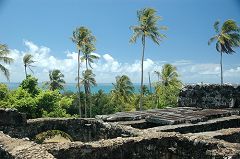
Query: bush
(30, 85)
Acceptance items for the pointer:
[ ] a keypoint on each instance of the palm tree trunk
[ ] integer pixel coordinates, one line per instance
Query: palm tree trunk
(149, 80)
(221, 70)
(85, 87)
(141, 95)
(90, 103)
(78, 85)
(25, 68)
(86, 92)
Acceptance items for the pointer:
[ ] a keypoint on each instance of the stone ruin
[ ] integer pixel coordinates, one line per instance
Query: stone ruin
(199, 129)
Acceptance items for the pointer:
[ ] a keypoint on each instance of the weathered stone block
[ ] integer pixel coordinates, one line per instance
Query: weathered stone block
(12, 117)
(210, 96)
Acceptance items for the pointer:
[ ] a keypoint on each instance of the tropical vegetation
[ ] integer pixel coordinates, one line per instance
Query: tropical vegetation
(227, 38)
(28, 61)
(56, 80)
(4, 52)
(54, 101)
(147, 28)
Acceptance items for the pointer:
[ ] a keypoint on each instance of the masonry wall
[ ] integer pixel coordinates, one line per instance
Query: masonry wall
(12, 117)
(210, 96)
(79, 129)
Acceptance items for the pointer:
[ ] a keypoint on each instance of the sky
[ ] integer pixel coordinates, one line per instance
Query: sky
(43, 28)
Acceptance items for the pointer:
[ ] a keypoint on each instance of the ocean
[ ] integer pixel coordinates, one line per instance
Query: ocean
(106, 87)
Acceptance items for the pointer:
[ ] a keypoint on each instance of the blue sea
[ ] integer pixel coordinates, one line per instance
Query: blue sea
(106, 87)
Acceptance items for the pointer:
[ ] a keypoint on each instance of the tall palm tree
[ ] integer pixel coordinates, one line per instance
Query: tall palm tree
(227, 37)
(28, 61)
(4, 52)
(147, 27)
(81, 37)
(56, 80)
(89, 58)
(123, 90)
(87, 81)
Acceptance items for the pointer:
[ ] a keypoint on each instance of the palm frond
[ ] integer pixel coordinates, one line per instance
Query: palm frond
(212, 39)
(216, 26)
(5, 71)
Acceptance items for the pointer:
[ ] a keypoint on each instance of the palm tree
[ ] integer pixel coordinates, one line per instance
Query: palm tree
(87, 81)
(169, 76)
(56, 80)
(227, 37)
(168, 88)
(147, 27)
(4, 52)
(88, 57)
(28, 61)
(81, 37)
(123, 90)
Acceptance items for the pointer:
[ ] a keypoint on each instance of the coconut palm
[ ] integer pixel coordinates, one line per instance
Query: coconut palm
(227, 37)
(169, 76)
(81, 37)
(4, 52)
(147, 27)
(28, 61)
(123, 90)
(168, 88)
(56, 80)
(87, 81)
(88, 56)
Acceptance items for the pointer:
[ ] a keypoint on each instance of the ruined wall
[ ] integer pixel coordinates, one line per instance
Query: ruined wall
(209, 96)
(155, 146)
(12, 117)
(79, 129)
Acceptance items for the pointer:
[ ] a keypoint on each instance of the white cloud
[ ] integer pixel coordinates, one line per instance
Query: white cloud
(233, 72)
(107, 67)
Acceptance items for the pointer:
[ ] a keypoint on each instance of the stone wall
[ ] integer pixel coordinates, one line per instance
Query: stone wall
(210, 96)
(79, 129)
(12, 117)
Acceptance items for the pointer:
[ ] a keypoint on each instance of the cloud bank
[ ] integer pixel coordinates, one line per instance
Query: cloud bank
(107, 67)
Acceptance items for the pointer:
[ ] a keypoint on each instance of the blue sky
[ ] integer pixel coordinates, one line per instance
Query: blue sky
(44, 28)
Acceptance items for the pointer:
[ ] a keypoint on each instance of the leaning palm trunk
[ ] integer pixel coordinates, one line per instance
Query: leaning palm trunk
(221, 70)
(141, 95)
(25, 69)
(79, 89)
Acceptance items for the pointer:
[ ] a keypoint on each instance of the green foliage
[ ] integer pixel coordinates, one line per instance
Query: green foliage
(102, 104)
(168, 88)
(23, 102)
(46, 100)
(30, 84)
(56, 80)
(122, 93)
(50, 134)
(3, 91)
(4, 96)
